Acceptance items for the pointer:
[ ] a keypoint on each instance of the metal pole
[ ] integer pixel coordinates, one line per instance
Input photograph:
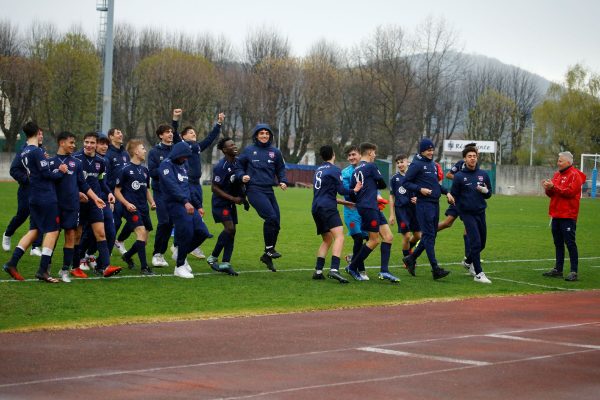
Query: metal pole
(108, 66)
(279, 134)
(531, 146)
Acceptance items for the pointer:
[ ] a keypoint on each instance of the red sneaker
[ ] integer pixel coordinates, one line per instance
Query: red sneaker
(12, 271)
(111, 270)
(78, 273)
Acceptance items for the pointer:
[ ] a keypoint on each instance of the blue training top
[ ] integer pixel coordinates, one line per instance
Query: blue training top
(369, 175)
(134, 181)
(327, 183)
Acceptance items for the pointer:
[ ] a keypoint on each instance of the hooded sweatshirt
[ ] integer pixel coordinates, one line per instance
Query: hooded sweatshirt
(566, 193)
(174, 180)
(422, 173)
(262, 162)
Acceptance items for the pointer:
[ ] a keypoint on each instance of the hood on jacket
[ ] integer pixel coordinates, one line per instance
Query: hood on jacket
(181, 149)
(260, 127)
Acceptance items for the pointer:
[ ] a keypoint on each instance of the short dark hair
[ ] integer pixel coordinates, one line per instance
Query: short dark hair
(399, 157)
(31, 129)
(103, 140)
(162, 128)
(91, 134)
(350, 148)
(64, 136)
(112, 131)
(186, 129)
(468, 149)
(326, 152)
(366, 146)
(221, 143)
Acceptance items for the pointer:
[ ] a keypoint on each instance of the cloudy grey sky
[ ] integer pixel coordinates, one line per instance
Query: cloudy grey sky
(542, 36)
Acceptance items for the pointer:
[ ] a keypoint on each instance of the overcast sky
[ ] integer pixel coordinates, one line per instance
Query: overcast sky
(541, 36)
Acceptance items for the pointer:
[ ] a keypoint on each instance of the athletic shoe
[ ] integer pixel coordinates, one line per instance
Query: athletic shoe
(348, 258)
(78, 273)
(198, 253)
(553, 273)
(158, 260)
(439, 273)
(46, 278)
(481, 278)
(110, 271)
(5, 242)
(174, 253)
(334, 274)
(272, 253)
(83, 265)
(363, 275)
(572, 277)
(467, 265)
(12, 271)
(64, 276)
(187, 266)
(213, 262)
(129, 262)
(317, 276)
(410, 264)
(91, 260)
(268, 261)
(354, 274)
(36, 251)
(388, 276)
(147, 271)
(121, 247)
(472, 270)
(182, 272)
(226, 268)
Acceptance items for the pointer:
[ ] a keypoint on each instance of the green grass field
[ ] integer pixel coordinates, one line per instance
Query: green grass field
(519, 249)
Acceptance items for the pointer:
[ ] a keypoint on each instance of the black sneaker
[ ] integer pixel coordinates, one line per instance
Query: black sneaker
(129, 262)
(410, 263)
(268, 261)
(318, 276)
(334, 274)
(147, 271)
(439, 273)
(272, 253)
(572, 277)
(553, 273)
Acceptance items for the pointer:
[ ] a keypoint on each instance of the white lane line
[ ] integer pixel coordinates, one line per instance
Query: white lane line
(424, 356)
(538, 285)
(523, 339)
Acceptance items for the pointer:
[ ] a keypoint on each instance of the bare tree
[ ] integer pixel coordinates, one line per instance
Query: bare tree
(263, 44)
(10, 42)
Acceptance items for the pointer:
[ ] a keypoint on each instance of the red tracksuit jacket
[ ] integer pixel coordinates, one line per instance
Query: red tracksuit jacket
(566, 193)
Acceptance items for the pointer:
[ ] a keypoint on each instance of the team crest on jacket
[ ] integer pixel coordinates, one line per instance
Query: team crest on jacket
(217, 179)
(272, 154)
(97, 166)
(72, 164)
(480, 177)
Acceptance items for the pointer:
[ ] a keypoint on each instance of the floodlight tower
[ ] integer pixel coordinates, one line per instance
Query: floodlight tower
(106, 43)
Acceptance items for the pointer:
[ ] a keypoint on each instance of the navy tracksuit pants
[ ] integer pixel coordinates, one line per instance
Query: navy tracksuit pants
(428, 215)
(267, 208)
(190, 231)
(477, 236)
(164, 226)
(563, 233)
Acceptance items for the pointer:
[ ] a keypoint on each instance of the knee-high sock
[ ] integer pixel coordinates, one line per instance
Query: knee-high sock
(141, 251)
(103, 255)
(228, 250)
(67, 258)
(386, 249)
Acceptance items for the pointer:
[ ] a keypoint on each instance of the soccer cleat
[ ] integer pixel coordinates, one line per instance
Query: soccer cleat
(198, 253)
(387, 276)
(182, 272)
(12, 271)
(272, 253)
(572, 277)
(363, 275)
(36, 251)
(174, 253)
(78, 273)
(317, 276)
(5, 242)
(334, 274)
(213, 262)
(158, 260)
(268, 261)
(46, 278)
(83, 265)
(354, 274)
(121, 247)
(439, 273)
(410, 264)
(64, 275)
(226, 268)
(110, 271)
(553, 273)
(91, 261)
(481, 278)
(129, 262)
(147, 271)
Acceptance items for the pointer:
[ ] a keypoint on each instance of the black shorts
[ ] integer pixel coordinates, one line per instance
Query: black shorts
(69, 219)
(371, 219)
(452, 211)
(326, 219)
(406, 220)
(222, 214)
(89, 213)
(137, 218)
(45, 218)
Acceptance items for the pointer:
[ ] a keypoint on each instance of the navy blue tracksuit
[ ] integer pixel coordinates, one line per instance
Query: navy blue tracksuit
(116, 159)
(157, 155)
(422, 173)
(471, 206)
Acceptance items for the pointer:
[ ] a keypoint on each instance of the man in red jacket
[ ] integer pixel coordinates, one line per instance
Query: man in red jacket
(564, 190)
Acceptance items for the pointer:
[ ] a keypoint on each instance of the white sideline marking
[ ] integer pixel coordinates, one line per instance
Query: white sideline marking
(538, 285)
(282, 356)
(424, 356)
(523, 339)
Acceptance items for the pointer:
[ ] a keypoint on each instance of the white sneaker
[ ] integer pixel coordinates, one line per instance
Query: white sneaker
(198, 253)
(91, 261)
(187, 266)
(5, 243)
(363, 274)
(174, 251)
(182, 272)
(35, 251)
(472, 270)
(481, 278)
(64, 276)
(121, 247)
(83, 265)
(158, 260)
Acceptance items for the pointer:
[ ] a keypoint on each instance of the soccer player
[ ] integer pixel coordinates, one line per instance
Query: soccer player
(402, 207)
(227, 192)
(422, 178)
(94, 169)
(190, 230)
(132, 192)
(43, 205)
(188, 134)
(373, 220)
(327, 183)
(471, 187)
(261, 167)
(116, 158)
(70, 189)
